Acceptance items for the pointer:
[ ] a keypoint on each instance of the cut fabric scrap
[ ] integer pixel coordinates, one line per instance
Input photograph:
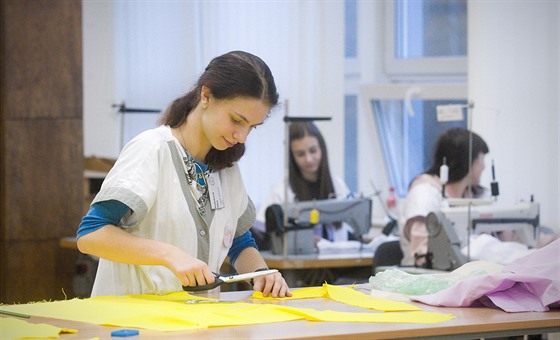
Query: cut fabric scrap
(393, 317)
(11, 328)
(121, 311)
(530, 283)
(346, 295)
(351, 297)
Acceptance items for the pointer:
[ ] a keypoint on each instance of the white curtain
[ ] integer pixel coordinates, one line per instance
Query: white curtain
(302, 42)
(162, 47)
(155, 58)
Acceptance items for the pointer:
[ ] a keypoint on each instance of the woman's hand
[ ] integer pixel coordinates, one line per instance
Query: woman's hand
(250, 260)
(115, 244)
(273, 284)
(189, 270)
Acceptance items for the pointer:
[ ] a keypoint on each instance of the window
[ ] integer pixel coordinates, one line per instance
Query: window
(426, 60)
(426, 39)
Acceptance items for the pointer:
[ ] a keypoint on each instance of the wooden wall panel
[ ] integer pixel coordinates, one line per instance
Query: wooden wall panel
(41, 163)
(45, 191)
(42, 271)
(42, 51)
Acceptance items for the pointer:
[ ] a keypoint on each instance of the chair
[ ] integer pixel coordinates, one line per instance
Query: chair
(387, 254)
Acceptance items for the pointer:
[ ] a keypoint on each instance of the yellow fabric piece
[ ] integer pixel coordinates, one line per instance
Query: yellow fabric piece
(155, 312)
(346, 295)
(171, 313)
(11, 328)
(352, 297)
(393, 317)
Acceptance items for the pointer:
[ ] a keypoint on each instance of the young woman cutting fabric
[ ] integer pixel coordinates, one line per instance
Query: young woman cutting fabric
(174, 205)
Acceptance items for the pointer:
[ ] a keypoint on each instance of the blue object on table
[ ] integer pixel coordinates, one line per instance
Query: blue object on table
(125, 332)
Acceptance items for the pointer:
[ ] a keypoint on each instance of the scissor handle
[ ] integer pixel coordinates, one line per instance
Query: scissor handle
(209, 286)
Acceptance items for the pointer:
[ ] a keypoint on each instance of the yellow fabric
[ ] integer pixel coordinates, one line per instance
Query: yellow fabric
(393, 317)
(352, 297)
(162, 313)
(346, 295)
(171, 313)
(11, 328)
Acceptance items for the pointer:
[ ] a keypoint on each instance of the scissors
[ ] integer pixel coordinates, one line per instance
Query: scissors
(229, 279)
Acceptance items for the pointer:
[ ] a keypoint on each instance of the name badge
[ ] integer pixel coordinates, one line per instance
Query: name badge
(215, 191)
(228, 237)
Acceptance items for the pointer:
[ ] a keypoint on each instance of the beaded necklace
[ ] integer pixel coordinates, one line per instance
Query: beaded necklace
(196, 174)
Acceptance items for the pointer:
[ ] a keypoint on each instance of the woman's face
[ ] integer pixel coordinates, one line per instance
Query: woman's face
(227, 122)
(477, 169)
(307, 154)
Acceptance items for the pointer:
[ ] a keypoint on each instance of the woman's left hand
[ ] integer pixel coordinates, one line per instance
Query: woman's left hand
(273, 284)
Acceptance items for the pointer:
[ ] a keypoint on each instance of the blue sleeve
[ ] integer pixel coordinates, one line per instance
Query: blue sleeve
(100, 214)
(239, 244)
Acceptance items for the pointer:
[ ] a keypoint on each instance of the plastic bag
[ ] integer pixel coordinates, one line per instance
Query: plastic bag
(398, 281)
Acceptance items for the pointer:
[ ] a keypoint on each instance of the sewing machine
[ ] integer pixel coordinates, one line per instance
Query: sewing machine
(303, 216)
(448, 229)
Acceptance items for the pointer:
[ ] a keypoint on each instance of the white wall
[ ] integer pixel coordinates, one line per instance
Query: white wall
(371, 51)
(514, 83)
(101, 128)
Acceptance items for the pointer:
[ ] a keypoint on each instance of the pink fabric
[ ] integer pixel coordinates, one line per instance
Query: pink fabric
(530, 283)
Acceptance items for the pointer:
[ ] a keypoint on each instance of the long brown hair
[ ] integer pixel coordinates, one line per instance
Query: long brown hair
(234, 74)
(299, 185)
(453, 146)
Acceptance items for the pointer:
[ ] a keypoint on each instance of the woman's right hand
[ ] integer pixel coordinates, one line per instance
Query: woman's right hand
(115, 244)
(190, 270)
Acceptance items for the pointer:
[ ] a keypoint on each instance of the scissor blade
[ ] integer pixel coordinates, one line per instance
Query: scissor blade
(248, 276)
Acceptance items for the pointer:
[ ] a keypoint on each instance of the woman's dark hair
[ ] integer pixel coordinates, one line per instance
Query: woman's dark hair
(234, 74)
(299, 185)
(453, 145)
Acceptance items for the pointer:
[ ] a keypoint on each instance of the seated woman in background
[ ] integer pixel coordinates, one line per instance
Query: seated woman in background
(309, 179)
(425, 193)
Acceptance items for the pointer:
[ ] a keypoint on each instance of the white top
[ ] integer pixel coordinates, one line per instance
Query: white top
(148, 177)
(276, 196)
(424, 197)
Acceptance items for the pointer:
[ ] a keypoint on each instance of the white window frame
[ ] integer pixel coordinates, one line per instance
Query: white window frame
(453, 69)
(425, 91)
